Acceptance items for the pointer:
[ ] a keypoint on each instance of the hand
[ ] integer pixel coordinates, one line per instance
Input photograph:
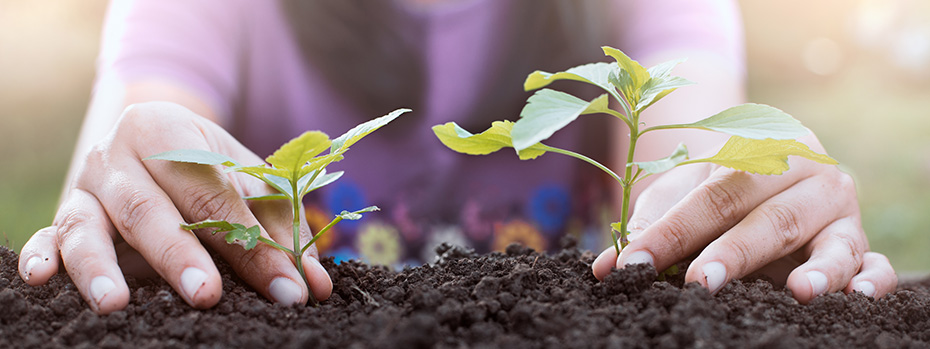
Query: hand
(117, 199)
(802, 228)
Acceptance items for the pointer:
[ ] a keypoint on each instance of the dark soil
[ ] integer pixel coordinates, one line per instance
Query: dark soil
(512, 300)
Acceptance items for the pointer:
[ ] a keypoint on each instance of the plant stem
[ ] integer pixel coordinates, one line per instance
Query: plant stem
(628, 185)
(320, 233)
(295, 204)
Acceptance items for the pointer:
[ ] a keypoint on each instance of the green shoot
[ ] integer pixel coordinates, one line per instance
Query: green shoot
(294, 170)
(762, 137)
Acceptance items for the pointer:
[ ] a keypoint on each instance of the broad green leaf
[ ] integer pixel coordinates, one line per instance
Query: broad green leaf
(638, 74)
(276, 196)
(658, 166)
(356, 215)
(765, 156)
(298, 151)
(194, 156)
(321, 180)
(210, 223)
(548, 111)
(757, 121)
(349, 138)
(489, 141)
(242, 236)
(657, 88)
(281, 184)
(597, 74)
(320, 162)
(664, 69)
(258, 170)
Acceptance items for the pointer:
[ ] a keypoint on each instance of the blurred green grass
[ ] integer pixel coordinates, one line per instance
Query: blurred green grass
(870, 113)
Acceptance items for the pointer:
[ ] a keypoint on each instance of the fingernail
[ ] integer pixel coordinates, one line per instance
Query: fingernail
(714, 275)
(30, 264)
(192, 279)
(99, 287)
(315, 264)
(818, 282)
(638, 257)
(285, 291)
(867, 288)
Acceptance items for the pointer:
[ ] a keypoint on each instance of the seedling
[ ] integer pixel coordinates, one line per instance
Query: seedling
(294, 170)
(762, 136)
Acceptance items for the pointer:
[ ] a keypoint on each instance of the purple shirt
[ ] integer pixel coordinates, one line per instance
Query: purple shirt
(242, 54)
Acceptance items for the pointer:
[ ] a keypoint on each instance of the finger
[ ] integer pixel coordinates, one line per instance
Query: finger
(604, 263)
(666, 191)
(876, 277)
(835, 256)
(651, 205)
(702, 215)
(204, 192)
(149, 222)
(776, 228)
(85, 238)
(38, 260)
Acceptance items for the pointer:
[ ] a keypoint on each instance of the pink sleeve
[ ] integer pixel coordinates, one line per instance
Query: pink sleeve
(195, 43)
(650, 27)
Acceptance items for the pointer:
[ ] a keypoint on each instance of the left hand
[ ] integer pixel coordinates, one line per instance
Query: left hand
(802, 228)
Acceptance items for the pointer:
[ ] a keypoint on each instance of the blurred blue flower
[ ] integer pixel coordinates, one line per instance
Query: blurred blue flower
(550, 207)
(345, 195)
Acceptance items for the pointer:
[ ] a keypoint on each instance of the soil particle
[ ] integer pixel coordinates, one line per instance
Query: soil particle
(515, 299)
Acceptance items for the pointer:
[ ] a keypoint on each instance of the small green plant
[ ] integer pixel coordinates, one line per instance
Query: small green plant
(762, 136)
(297, 168)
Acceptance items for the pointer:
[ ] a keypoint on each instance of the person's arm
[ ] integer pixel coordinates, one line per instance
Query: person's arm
(117, 208)
(802, 227)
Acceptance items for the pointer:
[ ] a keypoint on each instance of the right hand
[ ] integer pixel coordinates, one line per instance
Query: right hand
(117, 199)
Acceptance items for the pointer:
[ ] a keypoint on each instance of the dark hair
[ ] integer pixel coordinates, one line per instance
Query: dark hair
(359, 50)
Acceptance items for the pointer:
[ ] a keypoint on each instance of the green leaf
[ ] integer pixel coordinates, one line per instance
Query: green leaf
(657, 88)
(658, 166)
(321, 180)
(491, 140)
(356, 215)
(294, 154)
(259, 170)
(548, 111)
(343, 142)
(597, 74)
(664, 69)
(638, 74)
(235, 233)
(245, 237)
(276, 196)
(210, 223)
(320, 162)
(765, 156)
(757, 121)
(194, 156)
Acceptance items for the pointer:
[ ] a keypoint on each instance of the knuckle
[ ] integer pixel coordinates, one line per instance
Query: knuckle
(171, 252)
(208, 203)
(723, 199)
(784, 220)
(69, 223)
(856, 246)
(136, 207)
(677, 235)
(743, 251)
(248, 262)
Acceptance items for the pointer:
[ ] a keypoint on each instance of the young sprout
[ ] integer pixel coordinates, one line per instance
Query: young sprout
(294, 170)
(762, 137)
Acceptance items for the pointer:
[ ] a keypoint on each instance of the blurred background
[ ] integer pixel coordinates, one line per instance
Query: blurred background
(856, 72)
